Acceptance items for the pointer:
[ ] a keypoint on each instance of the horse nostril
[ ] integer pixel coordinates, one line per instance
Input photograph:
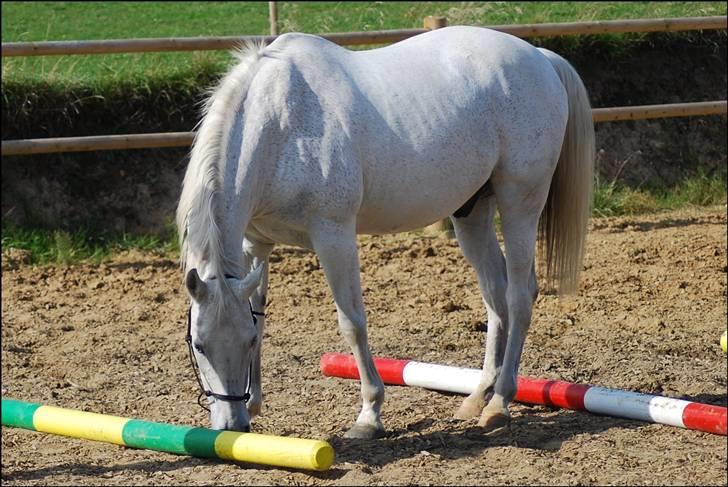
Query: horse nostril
(246, 428)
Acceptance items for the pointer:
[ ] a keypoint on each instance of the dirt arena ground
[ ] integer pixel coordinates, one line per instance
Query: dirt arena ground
(651, 308)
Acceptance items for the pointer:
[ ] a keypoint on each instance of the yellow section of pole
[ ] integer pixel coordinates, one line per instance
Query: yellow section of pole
(80, 424)
(279, 451)
(274, 450)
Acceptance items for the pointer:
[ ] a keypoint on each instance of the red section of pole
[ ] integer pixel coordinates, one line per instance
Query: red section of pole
(555, 393)
(343, 365)
(551, 393)
(705, 417)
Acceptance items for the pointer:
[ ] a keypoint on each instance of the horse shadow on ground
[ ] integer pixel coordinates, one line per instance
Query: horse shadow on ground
(646, 226)
(150, 467)
(530, 428)
(712, 399)
(98, 471)
(137, 265)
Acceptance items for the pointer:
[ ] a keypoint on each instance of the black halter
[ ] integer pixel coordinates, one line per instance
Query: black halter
(204, 392)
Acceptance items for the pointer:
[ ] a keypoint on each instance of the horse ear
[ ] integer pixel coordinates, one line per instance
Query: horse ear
(195, 286)
(251, 281)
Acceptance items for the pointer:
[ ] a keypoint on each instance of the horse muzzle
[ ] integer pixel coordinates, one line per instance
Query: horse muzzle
(231, 416)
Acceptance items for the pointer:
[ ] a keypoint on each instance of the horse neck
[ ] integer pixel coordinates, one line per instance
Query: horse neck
(214, 243)
(220, 187)
(235, 212)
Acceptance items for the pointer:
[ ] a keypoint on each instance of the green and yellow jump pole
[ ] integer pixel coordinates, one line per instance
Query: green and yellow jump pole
(278, 451)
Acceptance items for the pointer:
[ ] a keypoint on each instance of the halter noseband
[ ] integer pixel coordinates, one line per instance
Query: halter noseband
(204, 392)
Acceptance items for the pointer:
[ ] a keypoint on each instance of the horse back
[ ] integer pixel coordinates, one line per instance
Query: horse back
(357, 130)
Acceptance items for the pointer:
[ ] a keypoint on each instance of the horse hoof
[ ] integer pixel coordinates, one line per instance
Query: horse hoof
(493, 421)
(468, 410)
(364, 432)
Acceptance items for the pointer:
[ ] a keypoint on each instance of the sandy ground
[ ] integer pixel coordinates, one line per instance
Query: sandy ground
(110, 338)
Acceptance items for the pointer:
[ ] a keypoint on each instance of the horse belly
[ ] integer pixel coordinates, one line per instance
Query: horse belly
(406, 199)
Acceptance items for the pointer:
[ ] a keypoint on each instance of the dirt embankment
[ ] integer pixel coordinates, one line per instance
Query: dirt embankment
(136, 191)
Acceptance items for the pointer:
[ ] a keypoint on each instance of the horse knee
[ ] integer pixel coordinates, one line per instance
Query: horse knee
(352, 335)
(353, 330)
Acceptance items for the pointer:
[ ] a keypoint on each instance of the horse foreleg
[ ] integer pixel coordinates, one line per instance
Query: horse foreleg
(336, 246)
(479, 244)
(257, 254)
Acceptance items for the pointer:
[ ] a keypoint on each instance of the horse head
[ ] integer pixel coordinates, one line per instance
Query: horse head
(222, 338)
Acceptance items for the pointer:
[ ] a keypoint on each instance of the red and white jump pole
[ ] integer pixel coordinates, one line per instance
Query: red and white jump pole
(600, 400)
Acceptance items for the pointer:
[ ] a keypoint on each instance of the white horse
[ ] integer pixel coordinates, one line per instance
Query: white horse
(309, 144)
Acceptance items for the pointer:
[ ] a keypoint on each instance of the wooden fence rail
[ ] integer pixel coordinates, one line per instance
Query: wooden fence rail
(644, 112)
(112, 46)
(96, 143)
(184, 139)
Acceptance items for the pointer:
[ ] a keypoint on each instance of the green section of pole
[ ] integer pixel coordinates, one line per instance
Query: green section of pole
(184, 440)
(18, 414)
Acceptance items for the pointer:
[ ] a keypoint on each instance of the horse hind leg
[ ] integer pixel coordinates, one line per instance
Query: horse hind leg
(520, 211)
(478, 242)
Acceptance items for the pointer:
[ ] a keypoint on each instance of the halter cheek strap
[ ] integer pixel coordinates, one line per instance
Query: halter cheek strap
(205, 392)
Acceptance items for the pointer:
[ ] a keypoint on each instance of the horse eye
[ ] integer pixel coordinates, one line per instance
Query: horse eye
(199, 349)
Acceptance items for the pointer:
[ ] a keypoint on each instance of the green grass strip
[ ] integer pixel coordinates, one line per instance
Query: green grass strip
(18, 414)
(44, 246)
(55, 21)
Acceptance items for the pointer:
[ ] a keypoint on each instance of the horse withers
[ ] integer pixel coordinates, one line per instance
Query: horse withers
(306, 143)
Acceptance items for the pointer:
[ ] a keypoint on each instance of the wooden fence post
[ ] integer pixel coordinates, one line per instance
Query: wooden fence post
(434, 22)
(273, 14)
(431, 23)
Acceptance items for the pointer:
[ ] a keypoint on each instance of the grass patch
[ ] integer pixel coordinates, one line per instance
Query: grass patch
(614, 199)
(41, 21)
(58, 247)
(60, 96)
(45, 21)
(63, 247)
(158, 100)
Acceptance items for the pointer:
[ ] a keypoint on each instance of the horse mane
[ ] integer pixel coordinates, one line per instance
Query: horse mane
(199, 208)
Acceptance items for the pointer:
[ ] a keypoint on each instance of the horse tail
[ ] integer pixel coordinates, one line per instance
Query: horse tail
(564, 221)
